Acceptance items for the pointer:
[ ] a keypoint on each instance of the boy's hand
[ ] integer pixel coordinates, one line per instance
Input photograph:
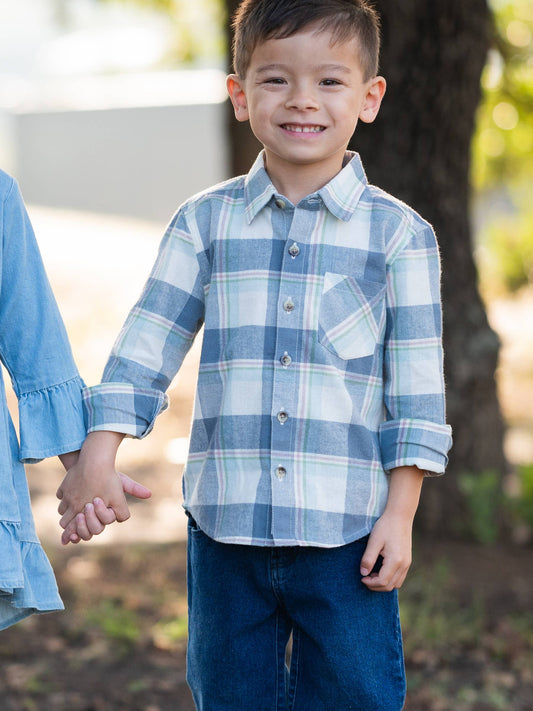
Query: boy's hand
(94, 477)
(391, 537)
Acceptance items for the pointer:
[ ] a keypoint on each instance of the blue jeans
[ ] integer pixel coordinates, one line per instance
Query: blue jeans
(244, 601)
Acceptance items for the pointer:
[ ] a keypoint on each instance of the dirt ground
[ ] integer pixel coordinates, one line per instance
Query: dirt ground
(120, 644)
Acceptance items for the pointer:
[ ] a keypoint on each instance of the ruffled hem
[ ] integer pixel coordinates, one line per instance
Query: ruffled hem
(27, 582)
(51, 421)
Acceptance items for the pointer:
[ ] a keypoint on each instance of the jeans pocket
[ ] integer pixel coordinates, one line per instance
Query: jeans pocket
(351, 315)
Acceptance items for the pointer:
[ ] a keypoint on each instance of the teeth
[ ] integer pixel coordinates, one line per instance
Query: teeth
(303, 129)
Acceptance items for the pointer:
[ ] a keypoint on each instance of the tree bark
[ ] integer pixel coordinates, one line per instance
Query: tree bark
(418, 149)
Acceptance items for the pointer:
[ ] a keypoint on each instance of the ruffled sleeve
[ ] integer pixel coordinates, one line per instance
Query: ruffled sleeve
(34, 346)
(45, 427)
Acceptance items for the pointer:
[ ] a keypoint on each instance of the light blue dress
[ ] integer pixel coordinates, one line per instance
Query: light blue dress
(35, 351)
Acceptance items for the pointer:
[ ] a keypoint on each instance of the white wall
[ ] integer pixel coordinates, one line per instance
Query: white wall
(138, 161)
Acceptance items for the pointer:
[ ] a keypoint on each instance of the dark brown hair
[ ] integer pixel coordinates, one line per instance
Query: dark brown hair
(259, 20)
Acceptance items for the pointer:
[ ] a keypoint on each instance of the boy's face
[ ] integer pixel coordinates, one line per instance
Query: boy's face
(303, 97)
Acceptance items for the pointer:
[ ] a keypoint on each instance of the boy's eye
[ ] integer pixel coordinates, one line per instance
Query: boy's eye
(330, 82)
(274, 80)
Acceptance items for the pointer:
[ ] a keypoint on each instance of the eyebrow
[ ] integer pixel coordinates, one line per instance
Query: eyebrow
(276, 67)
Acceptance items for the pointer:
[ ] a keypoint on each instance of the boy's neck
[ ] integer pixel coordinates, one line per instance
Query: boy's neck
(296, 182)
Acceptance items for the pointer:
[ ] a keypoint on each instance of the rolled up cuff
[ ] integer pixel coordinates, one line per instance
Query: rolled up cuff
(121, 407)
(417, 443)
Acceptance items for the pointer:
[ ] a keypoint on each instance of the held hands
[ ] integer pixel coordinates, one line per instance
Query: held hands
(92, 493)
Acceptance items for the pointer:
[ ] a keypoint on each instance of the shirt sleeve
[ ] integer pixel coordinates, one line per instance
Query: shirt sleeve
(415, 430)
(153, 342)
(33, 343)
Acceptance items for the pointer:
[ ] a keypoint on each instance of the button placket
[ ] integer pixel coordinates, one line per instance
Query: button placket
(285, 386)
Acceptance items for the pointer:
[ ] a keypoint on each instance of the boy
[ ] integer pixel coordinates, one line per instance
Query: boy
(320, 399)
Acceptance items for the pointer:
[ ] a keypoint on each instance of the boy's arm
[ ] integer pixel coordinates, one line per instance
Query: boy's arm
(94, 477)
(391, 536)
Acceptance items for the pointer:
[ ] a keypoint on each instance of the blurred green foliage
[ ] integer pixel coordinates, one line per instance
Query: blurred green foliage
(522, 505)
(505, 254)
(503, 144)
(484, 499)
(502, 165)
(119, 624)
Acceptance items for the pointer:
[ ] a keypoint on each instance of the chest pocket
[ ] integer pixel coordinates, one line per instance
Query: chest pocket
(351, 315)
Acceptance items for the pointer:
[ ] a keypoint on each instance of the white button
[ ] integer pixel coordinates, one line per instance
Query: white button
(285, 360)
(289, 305)
(282, 417)
(280, 203)
(294, 250)
(281, 472)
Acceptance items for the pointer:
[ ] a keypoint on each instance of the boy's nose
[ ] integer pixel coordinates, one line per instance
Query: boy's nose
(302, 99)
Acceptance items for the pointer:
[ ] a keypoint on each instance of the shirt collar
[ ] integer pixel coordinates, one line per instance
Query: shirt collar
(258, 189)
(341, 195)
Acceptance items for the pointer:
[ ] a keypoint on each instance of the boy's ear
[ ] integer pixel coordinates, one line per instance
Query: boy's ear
(375, 91)
(238, 98)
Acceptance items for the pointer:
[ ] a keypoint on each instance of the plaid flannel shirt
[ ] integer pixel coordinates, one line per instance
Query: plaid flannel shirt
(321, 364)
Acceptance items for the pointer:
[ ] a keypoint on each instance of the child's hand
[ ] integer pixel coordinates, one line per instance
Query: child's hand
(94, 477)
(390, 539)
(96, 515)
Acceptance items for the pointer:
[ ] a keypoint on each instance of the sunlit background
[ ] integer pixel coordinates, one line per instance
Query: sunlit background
(111, 113)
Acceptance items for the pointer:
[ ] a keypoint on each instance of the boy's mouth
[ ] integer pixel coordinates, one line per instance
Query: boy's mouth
(299, 128)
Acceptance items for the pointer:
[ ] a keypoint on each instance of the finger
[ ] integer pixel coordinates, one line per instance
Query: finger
(376, 583)
(73, 538)
(121, 509)
(370, 556)
(93, 523)
(105, 515)
(62, 507)
(68, 516)
(82, 529)
(390, 577)
(59, 493)
(133, 487)
(70, 534)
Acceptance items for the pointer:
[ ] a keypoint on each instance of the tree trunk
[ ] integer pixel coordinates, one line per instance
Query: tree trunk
(419, 150)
